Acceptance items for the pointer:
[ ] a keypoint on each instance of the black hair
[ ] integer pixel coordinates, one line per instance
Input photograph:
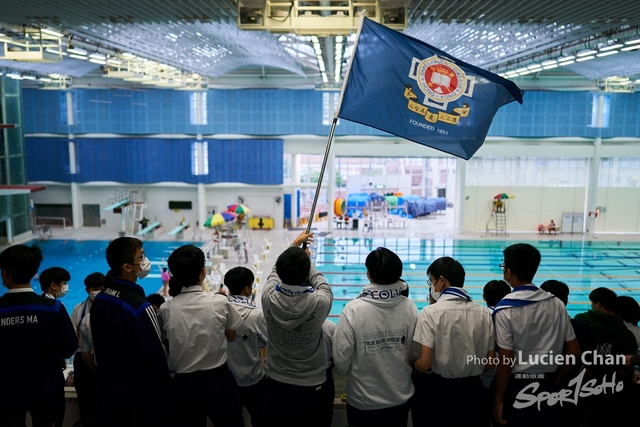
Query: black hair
(53, 275)
(448, 268)
(384, 266)
(186, 264)
(628, 309)
(237, 279)
(21, 262)
(94, 281)
(494, 291)
(557, 288)
(122, 251)
(606, 297)
(293, 266)
(175, 287)
(155, 299)
(523, 260)
(164, 268)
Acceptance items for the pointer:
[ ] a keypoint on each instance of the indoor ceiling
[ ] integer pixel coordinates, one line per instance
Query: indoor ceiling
(203, 37)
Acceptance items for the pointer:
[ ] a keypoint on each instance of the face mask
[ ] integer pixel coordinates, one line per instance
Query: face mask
(63, 291)
(145, 265)
(435, 295)
(93, 295)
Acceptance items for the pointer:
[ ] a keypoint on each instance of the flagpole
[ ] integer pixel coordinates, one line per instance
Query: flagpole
(333, 128)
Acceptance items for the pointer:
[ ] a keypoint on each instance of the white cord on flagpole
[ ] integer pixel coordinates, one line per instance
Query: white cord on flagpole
(353, 55)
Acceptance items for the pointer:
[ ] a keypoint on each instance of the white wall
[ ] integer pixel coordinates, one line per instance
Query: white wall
(530, 207)
(261, 200)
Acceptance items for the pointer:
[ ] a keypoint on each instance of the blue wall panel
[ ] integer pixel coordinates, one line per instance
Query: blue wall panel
(132, 160)
(287, 112)
(250, 161)
(47, 159)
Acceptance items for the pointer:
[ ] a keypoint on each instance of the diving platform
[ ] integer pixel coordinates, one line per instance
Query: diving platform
(148, 231)
(116, 205)
(178, 231)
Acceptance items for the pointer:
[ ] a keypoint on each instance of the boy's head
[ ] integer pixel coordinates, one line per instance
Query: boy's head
(448, 268)
(124, 256)
(187, 265)
(628, 309)
(175, 287)
(53, 280)
(603, 299)
(94, 282)
(156, 300)
(384, 267)
(559, 289)
(238, 279)
(19, 263)
(293, 266)
(521, 260)
(494, 291)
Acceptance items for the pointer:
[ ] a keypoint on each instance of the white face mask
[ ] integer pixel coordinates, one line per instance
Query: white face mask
(435, 295)
(63, 291)
(145, 265)
(93, 295)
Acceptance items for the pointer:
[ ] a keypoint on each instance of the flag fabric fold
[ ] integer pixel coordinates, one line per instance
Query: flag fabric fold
(408, 88)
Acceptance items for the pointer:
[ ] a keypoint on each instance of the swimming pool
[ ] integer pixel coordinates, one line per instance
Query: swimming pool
(583, 266)
(83, 257)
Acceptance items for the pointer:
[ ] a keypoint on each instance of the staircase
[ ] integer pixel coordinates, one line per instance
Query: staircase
(137, 217)
(497, 223)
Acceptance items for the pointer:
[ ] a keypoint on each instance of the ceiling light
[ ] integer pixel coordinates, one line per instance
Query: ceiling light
(628, 48)
(98, 61)
(76, 50)
(567, 58)
(634, 41)
(611, 47)
(534, 67)
(521, 70)
(585, 58)
(611, 52)
(45, 79)
(78, 56)
(98, 56)
(550, 66)
(128, 55)
(562, 64)
(549, 62)
(524, 73)
(586, 52)
(29, 77)
(51, 32)
(324, 78)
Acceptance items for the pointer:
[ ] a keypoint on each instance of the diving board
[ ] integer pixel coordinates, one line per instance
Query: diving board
(116, 205)
(148, 231)
(178, 230)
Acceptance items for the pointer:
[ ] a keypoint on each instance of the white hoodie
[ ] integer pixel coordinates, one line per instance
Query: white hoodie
(296, 353)
(371, 346)
(243, 354)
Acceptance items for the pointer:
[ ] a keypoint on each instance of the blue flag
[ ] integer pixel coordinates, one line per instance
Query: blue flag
(403, 86)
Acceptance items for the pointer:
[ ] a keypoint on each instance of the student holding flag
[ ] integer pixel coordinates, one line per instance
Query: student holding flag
(457, 338)
(531, 325)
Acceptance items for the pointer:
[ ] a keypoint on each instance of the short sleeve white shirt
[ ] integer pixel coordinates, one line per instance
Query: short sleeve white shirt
(456, 329)
(193, 325)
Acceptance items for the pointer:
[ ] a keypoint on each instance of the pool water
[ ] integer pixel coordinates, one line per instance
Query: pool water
(583, 266)
(84, 257)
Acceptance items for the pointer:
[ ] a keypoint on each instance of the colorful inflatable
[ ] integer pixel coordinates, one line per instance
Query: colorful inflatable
(339, 206)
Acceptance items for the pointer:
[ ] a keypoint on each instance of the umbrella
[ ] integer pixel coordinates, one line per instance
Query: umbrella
(504, 196)
(239, 209)
(219, 219)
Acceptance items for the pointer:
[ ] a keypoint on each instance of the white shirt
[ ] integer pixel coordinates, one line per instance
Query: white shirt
(192, 327)
(85, 340)
(455, 328)
(636, 331)
(532, 331)
(245, 357)
(79, 311)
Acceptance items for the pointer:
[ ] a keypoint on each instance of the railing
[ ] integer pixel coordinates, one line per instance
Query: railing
(45, 220)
